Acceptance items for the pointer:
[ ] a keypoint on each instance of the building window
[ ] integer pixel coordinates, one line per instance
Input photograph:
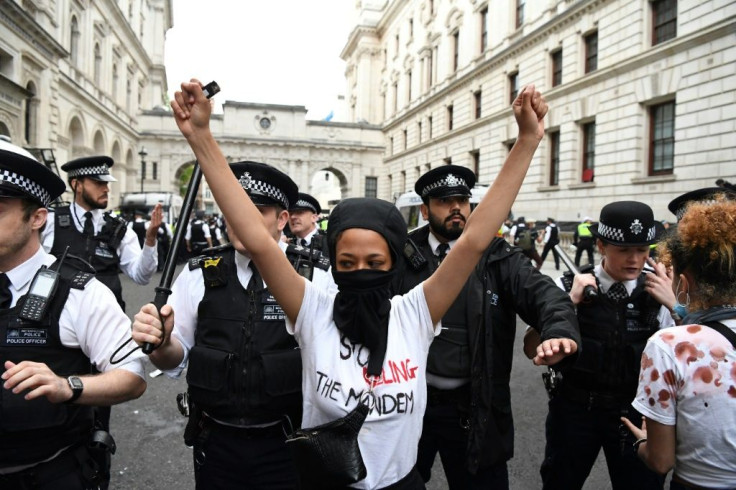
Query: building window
(391, 145)
(154, 170)
(98, 64)
(557, 68)
(371, 187)
(29, 114)
(74, 42)
(455, 50)
(520, 13)
(477, 101)
(406, 139)
(554, 157)
(513, 87)
(662, 138)
(450, 115)
(411, 28)
(429, 127)
(591, 52)
(483, 29)
(475, 157)
(115, 82)
(396, 96)
(588, 152)
(664, 18)
(128, 95)
(419, 131)
(408, 86)
(396, 46)
(431, 7)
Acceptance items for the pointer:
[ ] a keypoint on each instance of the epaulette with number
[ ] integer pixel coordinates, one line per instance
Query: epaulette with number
(77, 271)
(317, 257)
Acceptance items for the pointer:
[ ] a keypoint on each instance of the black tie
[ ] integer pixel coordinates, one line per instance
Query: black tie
(303, 242)
(89, 229)
(442, 249)
(617, 292)
(6, 297)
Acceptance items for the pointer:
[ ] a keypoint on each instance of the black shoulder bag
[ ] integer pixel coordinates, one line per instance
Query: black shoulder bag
(328, 456)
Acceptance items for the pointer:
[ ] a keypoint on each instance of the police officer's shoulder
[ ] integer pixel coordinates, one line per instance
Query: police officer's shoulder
(319, 259)
(209, 254)
(77, 271)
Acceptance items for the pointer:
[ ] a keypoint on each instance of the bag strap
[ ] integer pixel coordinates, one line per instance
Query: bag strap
(723, 330)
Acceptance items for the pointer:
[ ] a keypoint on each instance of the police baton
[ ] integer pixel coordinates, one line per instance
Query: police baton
(589, 292)
(163, 290)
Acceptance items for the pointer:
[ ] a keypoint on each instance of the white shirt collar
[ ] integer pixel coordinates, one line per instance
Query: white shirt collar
(434, 243)
(606, 281)
(78, 215)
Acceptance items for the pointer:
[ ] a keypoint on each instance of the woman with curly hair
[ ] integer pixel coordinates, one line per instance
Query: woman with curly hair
(687, 384)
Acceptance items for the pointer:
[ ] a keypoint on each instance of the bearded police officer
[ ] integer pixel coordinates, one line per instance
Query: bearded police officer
(99, 237)
(468, 417)
(303, 217)
(244, 369)
(51, 316)
(584, 414)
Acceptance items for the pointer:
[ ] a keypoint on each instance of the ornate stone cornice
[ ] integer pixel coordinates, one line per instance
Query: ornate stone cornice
(23, 25)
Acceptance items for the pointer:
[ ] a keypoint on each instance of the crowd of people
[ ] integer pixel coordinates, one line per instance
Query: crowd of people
(280, 322)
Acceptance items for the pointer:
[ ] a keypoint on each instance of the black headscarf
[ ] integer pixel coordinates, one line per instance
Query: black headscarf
(361, 308)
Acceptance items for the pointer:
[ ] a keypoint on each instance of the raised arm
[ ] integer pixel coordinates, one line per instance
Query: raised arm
(192, 113)
(445, 284)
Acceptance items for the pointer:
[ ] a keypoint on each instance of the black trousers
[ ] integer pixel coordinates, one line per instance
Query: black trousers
(74, 469)
(575, 435)
(445, 432)
(585, 244)
(230, 458)
(551, 246)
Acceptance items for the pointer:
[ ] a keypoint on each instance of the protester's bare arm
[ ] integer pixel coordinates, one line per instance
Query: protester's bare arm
(445, 284)
(192, 113)
(36, 379)
(658, 450)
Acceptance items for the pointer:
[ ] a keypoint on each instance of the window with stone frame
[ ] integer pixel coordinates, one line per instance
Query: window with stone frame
(662, 138)
(664, 20)
(591, 52)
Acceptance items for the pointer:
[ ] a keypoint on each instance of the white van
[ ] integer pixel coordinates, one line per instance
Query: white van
(170, 202)
(408, 204)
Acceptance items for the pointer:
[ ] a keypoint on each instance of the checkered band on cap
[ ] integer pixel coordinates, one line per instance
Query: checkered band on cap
(651, 233)
(87, 171)
(681, 212)
(449, 180)
(301, 203)
(611, 233)
(258, 187)
(27, 185)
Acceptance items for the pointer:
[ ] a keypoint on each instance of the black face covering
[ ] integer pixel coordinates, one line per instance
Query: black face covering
(361, 308)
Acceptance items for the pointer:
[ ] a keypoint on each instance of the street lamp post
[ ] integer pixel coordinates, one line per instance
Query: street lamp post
(143, 153)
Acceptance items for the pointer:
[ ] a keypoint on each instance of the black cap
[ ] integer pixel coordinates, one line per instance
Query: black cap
(678, 205)
(199, 213)
(307, 202)
(266, 185)
(97, 168)
(21, 175)
(626, 223)
(445, 181)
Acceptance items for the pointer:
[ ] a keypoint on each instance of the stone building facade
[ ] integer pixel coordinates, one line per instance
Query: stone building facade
(642, 94)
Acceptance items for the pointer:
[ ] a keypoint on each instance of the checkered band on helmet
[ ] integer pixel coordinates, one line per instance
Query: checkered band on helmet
(301, 203)
(6, 176)
(448, 180)
(611, 233)
(86, 171)
(651, 233)
(258, 187)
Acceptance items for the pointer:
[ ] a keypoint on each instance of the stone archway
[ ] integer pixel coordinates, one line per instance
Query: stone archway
(328, 185)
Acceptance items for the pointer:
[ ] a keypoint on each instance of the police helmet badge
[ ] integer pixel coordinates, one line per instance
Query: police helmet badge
(636, 227)
(451, 180)
(246, 181)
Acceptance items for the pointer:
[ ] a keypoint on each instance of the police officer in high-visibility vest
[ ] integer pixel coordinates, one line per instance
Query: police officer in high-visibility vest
(244, 369)
(52, 314)
(99, 237)
(583, 240)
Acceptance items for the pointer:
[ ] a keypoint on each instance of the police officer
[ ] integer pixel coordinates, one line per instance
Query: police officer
(244, 369)
(215, 233)
(50, 318)
(468, 417)
(139, 225)
(303, 217)
(584, 414)
(198, 236)
(551, 238)
(583, 240)
(98, 237)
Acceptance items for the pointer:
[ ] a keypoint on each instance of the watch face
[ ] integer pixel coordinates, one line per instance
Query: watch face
(75, 383)
(265, 123)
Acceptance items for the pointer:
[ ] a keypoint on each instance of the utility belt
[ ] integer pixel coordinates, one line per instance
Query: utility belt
(459, 396)
(593, 399)
(79, 459)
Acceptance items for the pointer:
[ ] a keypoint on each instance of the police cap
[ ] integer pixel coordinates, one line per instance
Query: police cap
(678, 205)
(626, 224)
(96, 168)
(23, 176)
(266, 185)
(445, 181)
(307, 202)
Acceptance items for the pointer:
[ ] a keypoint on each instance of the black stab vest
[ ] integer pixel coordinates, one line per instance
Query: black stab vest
(139, 227)
(244, 369)
(32, 431)
(101, 251)
(614, 336)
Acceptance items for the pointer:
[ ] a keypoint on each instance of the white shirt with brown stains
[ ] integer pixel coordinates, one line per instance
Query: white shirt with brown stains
(688, 379)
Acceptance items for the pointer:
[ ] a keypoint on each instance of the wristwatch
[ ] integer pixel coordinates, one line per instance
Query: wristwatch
(75, 383)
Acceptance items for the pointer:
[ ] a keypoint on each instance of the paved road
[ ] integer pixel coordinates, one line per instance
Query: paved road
(151, 454)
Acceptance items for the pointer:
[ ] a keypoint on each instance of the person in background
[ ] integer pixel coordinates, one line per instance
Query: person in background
(215, 233)
(303, 217)
(198, 237)
(47, 419)
(583, 240)
(551, 238)
(687, 387)
(139, 225)
(165, 238)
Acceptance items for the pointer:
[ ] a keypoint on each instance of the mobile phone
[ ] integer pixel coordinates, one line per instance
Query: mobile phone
(210, 89)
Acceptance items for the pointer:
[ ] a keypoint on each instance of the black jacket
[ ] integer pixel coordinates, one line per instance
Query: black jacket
(504, 284)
